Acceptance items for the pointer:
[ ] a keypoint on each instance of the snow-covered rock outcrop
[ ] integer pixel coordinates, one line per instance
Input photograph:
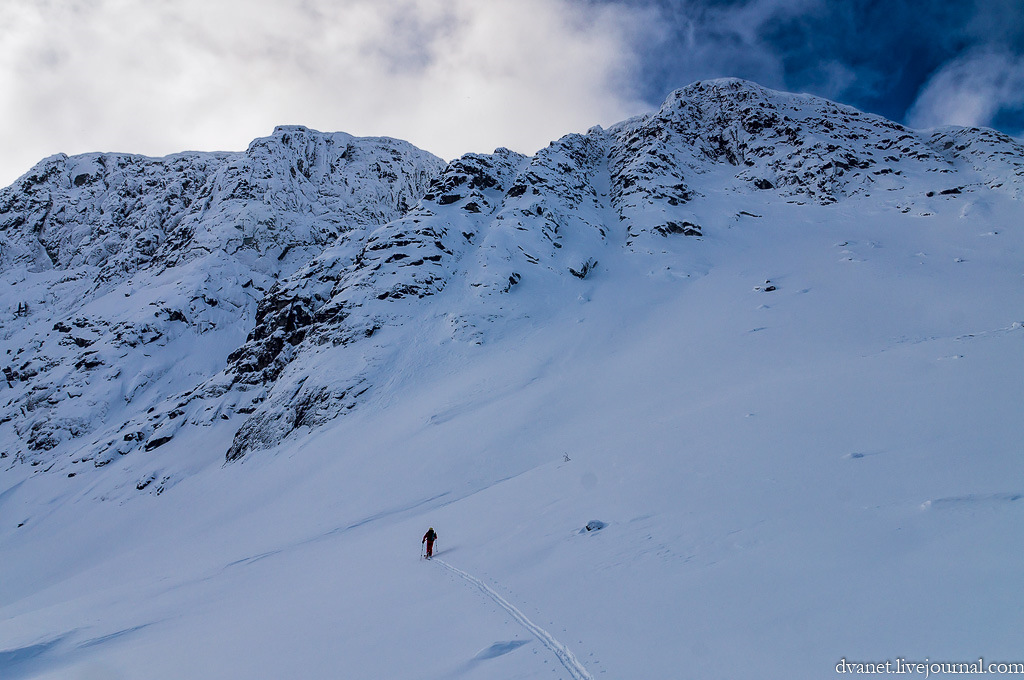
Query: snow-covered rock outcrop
(131, 279)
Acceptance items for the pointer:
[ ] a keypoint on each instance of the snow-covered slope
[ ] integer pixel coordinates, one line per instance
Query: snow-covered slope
(771, 344)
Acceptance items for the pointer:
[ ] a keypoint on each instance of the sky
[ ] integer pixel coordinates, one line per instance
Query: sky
(457, 76)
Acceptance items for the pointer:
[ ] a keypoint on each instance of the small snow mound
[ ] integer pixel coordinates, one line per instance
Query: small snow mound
(593, 525)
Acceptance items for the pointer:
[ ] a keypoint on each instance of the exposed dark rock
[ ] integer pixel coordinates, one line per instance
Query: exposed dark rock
(584, 269)
(513, 279)
(683, 228)
(157, 442)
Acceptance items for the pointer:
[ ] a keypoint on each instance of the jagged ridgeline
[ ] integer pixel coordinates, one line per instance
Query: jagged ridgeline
(271, 291)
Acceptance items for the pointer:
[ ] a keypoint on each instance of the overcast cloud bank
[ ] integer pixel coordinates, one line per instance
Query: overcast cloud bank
(459, 75)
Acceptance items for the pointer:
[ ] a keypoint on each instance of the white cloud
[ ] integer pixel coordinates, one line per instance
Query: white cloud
(158, 76)
(970, 91)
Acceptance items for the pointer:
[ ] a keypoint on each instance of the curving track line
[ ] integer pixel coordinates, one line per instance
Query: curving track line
(565, 657)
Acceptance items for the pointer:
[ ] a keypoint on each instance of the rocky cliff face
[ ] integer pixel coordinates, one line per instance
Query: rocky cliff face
(307, 264)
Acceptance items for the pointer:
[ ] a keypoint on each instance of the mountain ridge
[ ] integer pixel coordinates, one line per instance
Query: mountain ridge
(325, 239)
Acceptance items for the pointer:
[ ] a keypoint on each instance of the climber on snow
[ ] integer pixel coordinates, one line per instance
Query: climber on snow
(429, 539)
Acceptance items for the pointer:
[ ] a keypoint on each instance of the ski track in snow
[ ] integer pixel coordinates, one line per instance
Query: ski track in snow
(565, 657)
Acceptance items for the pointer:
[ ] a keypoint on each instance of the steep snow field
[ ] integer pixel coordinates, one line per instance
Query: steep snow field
(831, 469)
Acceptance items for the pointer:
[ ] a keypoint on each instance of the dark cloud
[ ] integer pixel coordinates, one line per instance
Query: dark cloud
(882, 56)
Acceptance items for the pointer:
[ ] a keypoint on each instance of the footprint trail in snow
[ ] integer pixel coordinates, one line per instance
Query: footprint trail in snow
(565, 657)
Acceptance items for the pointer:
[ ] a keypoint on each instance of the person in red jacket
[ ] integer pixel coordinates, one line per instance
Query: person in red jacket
(429, 539)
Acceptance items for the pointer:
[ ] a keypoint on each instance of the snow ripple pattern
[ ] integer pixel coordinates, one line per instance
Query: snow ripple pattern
(566, 657)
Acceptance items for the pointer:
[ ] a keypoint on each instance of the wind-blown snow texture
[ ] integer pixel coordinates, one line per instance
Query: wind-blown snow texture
(772, 342)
